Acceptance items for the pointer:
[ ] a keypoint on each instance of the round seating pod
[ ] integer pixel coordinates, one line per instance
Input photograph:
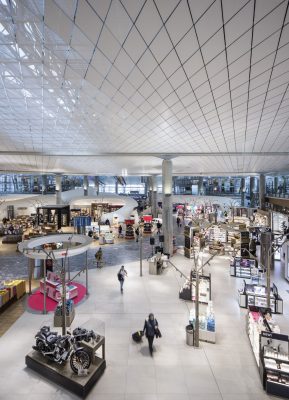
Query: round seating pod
(73, 245)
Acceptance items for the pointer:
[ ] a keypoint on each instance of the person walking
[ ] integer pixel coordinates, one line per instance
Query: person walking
(150, 329)
(98, 257)
(119, 231)
(159, 225)
(136, 233)
(178, 221)
(121, 276)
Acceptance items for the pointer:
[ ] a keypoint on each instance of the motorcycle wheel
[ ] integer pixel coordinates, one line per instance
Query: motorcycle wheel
(40, 345)
(80, 359)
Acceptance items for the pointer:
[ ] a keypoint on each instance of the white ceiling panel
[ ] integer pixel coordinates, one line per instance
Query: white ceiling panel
(149, 30)
(79, 72)
(181, 18)
(57, 21)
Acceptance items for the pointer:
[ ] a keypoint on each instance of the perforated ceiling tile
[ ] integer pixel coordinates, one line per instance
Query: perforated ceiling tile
(77, 82)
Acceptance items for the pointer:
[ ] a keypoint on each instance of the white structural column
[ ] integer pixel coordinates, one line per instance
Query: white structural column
(43, 183)
(262, 190)
(276, 181)
(243, 190)
(96, 184)
(201, 186)
(154, 196)
(85, 185)
(167, 216)
(58, 188)
(252, 189)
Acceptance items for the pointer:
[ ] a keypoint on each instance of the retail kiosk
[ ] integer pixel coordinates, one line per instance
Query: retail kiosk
(256, 295)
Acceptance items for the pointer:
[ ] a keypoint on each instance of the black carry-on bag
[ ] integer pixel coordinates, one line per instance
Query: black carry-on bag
(137, 336)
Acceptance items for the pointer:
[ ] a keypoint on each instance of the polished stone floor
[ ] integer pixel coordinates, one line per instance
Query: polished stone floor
(226, 370)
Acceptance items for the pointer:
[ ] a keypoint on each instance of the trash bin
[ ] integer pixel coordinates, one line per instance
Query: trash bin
(190, 335)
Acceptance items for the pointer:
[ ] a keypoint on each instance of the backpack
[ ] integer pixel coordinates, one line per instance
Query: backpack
(119, 276)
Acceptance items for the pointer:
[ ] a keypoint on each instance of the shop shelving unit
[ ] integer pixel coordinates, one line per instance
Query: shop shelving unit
(242, 267)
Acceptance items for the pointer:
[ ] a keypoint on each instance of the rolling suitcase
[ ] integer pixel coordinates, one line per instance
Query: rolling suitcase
(137, 336)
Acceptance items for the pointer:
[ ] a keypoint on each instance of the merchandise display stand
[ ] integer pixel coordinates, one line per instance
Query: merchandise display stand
(274, 363)
(129, 233)
(92, 347)
(255, 325)
(70, 314)
(147, 228)
(156, 264)
(271, 352)
(11, 291)
(187, 292)
(243, 268)
(255, 295)
(217, 234)
(63, 375)
(207, 324)
(189, 233)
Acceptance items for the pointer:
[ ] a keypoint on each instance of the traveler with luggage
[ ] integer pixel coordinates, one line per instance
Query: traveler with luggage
(121, 276)
(119, 231)
(151, 329)
(98, 257)
(136, 233)
(159, 225)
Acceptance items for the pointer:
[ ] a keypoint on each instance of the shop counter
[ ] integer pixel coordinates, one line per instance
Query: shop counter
(256, 295)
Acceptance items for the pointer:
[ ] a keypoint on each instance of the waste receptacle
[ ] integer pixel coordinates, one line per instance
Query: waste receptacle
(190, 335)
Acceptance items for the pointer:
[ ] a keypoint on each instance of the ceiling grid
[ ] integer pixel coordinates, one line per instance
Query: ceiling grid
(91, 77)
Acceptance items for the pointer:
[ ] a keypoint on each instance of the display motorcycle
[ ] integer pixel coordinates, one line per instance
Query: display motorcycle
(60, 348)
(85, 335)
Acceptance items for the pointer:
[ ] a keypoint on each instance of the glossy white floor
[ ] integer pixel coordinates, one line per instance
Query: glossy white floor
(225, 370)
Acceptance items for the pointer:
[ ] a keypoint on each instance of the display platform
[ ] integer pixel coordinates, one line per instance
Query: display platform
(63, 375)
(35, 300)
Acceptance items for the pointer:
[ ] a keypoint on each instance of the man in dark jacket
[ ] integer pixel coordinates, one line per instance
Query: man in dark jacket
(150, 328)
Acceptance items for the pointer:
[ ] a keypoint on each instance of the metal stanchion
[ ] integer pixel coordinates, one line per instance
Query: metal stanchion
(269, 255)
(44, 290)
(63, 295)
(86, 272)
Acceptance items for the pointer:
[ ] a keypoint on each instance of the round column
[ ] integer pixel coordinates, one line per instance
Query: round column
(262, 190)
(243, 191)
(58, 188)
(201, 186)
(154, 195)
(167, 216)
(85, 185)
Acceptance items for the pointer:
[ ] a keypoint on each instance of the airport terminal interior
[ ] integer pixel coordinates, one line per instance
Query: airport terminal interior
(144, 199)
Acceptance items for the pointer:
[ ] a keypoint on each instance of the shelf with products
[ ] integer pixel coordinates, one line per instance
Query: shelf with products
(10, 291)
(207, 323)
(187, 292)
(243, 267)
(258, 321)
(190, 240)
(256, 295)
(217, 234)
(129, 232)
(274, 363)
(147, 228)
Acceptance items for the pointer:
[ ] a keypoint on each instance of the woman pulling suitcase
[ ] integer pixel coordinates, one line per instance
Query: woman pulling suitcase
(151, 330)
